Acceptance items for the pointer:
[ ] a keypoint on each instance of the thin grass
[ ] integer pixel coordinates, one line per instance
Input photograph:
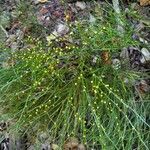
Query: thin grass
(58, 89)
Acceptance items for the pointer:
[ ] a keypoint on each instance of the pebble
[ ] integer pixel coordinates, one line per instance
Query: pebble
(143, 40)
(62, 29)
(55, 147)
(92, 19)
(81, 5)
(145, 55)
(116, 63)
(14, 46)
(45, 146)
(81, 147)
(124, 53)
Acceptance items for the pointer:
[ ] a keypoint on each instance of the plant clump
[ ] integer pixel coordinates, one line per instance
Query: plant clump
(69, 88)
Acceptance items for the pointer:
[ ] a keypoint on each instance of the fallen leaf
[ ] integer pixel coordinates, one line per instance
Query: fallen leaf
(71, 144)
(105, 55)
(144, 2)
(42, 1)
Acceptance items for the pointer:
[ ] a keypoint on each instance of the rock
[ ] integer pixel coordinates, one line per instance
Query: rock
(144, 2)
(124, 53)
(42, 137)
(81, 147)
(143, 40)
(138, 27)
(135, 37)
(55, 147)
(94, 60)
(81, 5)
(131, 56)
(39, 1)
(133, 5)
(145, 55)
(62, 29)
(45, 146)
(3, 126)
(92, 19)
(12, 38)
(31, 147)
(14, 46)
(116, 63)
(20, 35)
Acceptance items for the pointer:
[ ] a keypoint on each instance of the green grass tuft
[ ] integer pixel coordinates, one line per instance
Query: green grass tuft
(57, 88)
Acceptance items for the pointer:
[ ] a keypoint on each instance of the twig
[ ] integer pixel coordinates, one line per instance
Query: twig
(117, 10)
(4, 31)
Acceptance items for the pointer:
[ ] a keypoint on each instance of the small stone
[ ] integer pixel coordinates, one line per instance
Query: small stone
(45, 146)
(124, 53)
(92, 19)
(20, 35)
(39, 1)
(143, 40)
(116, 63)
(62, 29)
(81, 5)
(55, 147)
(43, 136)
(14, 46)
(31, 147)
(145, 55)
(11, 39)
(133, 5)
(81, 147)
(135, 37)
(139, 27)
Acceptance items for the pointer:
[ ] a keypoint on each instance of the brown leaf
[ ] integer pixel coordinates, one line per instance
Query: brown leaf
(143, 87)
(42, 1)
(144, 2)
(105, 55)
(71, 144)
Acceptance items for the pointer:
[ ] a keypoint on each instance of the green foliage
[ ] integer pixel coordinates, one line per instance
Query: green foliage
(56, 87)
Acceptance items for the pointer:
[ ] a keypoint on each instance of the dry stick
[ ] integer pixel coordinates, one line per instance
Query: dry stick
(117, 10)
(4, 30)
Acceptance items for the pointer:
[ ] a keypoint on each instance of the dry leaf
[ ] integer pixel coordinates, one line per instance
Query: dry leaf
(144, 2)
(143, 87)
(42, 1)
(105, 55)
(71, 144)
